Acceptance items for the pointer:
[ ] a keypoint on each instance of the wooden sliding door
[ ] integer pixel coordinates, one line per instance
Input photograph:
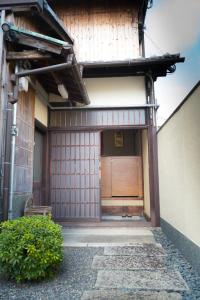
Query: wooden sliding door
(121, 176)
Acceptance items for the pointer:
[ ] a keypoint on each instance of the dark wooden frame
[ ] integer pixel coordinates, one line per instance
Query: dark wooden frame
(45, 166)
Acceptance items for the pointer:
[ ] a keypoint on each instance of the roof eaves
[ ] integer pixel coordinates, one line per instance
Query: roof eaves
(158, 65)
(43, 10)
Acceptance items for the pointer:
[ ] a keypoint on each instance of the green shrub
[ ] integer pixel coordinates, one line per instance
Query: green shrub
(30, 248)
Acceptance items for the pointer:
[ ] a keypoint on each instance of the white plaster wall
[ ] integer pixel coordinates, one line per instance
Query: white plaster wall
(119, 91)
(179, 169)
(41, 111)
(145, 160)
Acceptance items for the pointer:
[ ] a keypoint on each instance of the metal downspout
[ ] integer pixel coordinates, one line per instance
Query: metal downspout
(12, 158)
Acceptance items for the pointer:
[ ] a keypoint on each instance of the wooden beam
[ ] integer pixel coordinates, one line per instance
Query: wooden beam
(36, 44)
(41, 9)
(35, 39)
(21, 5)
(49, 16)
(28, 54)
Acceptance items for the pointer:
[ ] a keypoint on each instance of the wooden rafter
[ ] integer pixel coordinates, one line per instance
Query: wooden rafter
(27, 55)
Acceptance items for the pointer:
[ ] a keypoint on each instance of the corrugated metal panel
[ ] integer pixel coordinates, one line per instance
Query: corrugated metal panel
(97, 118)
(74, 175)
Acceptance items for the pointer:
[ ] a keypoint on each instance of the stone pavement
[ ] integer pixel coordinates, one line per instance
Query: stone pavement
(113, 264)
(132, 265)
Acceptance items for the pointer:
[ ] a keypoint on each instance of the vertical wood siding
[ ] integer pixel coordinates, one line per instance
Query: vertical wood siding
(3, 115)
(28, 23)
(102, 31)
(74, 175)
(97, 118)
(23, 179)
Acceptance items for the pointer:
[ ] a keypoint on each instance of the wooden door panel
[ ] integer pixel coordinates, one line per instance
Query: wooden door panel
(106, 184)
(74, 175)
(126, 176)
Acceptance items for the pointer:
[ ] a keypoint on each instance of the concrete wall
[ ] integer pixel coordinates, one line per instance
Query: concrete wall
(119, 91)
(145, 161)
(179, 168)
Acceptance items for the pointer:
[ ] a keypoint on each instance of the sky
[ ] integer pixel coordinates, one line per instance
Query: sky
(173, 26)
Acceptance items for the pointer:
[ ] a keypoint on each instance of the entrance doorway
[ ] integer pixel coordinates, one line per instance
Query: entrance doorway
(121, 174)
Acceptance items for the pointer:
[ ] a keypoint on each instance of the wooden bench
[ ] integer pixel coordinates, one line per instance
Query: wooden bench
(32, 209)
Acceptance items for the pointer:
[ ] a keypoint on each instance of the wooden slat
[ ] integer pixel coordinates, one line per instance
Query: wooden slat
(97, 118)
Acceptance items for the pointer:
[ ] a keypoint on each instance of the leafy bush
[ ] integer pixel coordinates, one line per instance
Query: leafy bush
(30, 248)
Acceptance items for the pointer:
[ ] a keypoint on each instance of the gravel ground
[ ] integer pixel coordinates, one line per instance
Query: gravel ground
(176, 261)
(76, 276)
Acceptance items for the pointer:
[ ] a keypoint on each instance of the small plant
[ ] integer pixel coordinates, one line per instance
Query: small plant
(30, 248)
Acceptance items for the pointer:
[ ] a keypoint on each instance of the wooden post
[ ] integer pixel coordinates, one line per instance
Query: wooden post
(1, 121)
(4, 127)
(153, 157)
(154, 180)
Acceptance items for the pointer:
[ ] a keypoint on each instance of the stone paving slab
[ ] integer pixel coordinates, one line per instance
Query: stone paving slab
(142, 250)
(108, 231)
(128, 262)
(148, 280)
(120, 295)
(74, 240)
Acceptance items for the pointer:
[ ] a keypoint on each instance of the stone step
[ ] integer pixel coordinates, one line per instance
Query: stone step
(108, 231)
(128, 262)
(102, 241)
(140, 249)
(120, 295)
(100, 237)
(147, 280)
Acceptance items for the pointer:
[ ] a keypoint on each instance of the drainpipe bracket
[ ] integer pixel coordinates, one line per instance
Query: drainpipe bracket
(14, 130)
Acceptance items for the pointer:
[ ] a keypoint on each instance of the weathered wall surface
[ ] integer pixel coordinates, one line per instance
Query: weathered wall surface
(179, 168)
(41, 111)
(103, 31)
(120, 91)
(23, 174)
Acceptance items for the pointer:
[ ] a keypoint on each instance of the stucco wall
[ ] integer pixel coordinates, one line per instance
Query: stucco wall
(145, 161)
(41, 111)
(119, 91)
(179, 168)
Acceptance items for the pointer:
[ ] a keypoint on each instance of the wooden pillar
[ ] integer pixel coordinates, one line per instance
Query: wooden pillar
(153, 156)
(3, 123)
(153, 176)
